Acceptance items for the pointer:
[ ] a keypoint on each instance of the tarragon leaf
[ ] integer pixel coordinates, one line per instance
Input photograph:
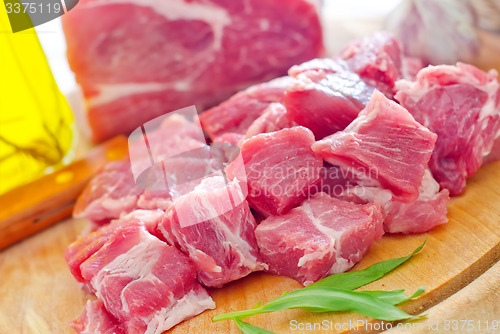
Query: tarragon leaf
(326, 299)
(335, 293)
(247, 328)
(395, 297)
(355, 279)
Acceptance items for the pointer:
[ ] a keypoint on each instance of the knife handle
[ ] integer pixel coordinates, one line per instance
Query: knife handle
(32, 207)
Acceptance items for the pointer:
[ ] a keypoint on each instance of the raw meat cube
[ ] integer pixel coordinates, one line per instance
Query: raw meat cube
(273, 118)
(180, 163)
(166, 136)
(155, 199)
(229, 137)
(96, 320)
(280, 169)
(461, 104)
(321, 237)
(111, 192)
(419, 216)
(325, 97)
(150, 218)
(410, 67)
(114, 190)
(84, 247)
(189, 52)
(240, 111)
(377, 59)
(167, 163)
(335, 180)
(428, 211)
(176, 175)
(165, 151)
(214, 226)
(146, 284)
(384, 147)
(329, 93)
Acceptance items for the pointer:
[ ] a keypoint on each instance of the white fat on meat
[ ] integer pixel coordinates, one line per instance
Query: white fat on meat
(193, 303)
(111, 92)
(331, 234)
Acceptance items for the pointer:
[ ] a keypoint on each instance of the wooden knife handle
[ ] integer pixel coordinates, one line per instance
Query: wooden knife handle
(30, 208)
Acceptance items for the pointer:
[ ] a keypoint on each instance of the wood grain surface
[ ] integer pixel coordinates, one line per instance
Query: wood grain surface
(474, 309)
(39, 295)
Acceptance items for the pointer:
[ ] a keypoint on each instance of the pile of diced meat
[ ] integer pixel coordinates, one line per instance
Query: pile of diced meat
(303, 174)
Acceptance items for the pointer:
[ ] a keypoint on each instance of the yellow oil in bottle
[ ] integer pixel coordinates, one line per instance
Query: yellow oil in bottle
(36, 123)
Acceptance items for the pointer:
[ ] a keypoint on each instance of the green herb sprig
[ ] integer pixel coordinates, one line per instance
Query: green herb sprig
(335, 293)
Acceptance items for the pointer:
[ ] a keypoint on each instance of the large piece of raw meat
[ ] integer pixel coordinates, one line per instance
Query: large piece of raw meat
(189, 53)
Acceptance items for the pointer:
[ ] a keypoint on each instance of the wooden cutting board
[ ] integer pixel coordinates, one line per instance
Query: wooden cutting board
(39, 295)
